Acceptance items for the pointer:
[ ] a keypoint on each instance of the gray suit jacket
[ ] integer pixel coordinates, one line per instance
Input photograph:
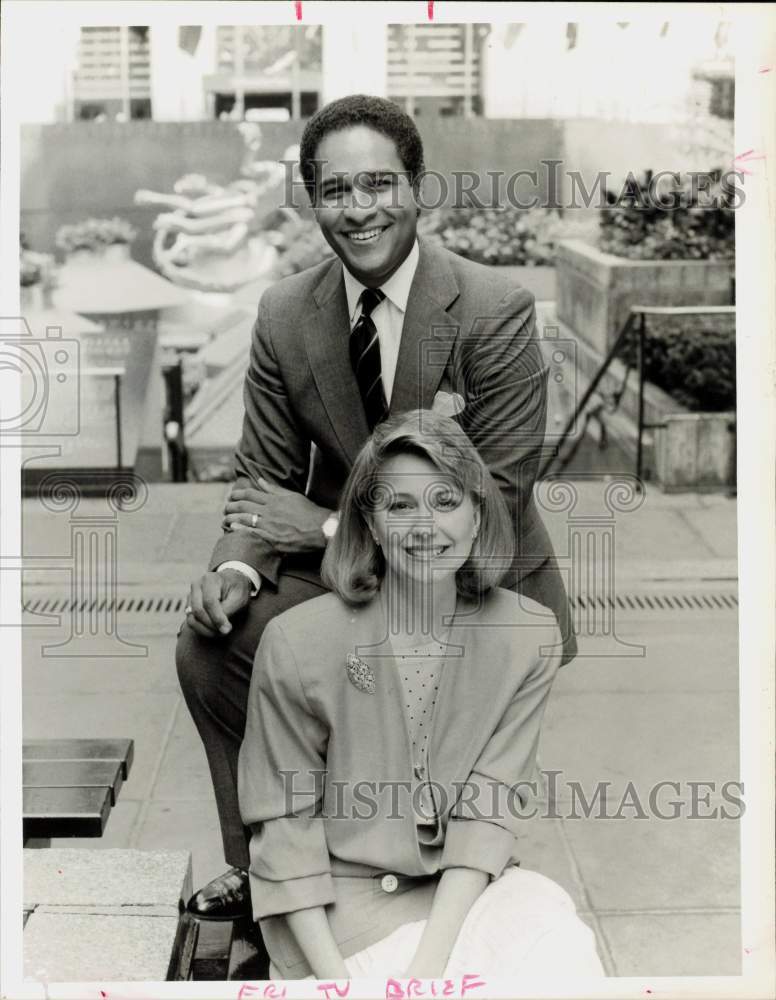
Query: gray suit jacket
(467, 330)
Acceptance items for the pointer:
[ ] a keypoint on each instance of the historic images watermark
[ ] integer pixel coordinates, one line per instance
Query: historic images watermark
(51, 378)
(550, 187)
(548, 796)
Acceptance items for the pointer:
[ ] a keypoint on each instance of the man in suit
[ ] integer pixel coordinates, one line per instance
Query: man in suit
(392, 324)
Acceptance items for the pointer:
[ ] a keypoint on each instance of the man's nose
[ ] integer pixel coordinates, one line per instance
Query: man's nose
(360, 206)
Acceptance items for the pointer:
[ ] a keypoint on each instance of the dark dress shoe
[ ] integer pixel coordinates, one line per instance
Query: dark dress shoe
(227, 897)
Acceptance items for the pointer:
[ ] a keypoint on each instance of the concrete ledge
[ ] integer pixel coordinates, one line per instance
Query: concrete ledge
(104, 915)
(97, 947)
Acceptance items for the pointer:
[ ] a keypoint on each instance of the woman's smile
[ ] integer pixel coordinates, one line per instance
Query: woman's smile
(424, 551)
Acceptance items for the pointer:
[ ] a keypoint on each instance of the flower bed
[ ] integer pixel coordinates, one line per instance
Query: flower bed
(95, 235)
(497, 236)
(671, 221)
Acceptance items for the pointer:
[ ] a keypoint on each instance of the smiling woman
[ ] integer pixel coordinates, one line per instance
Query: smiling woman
(384, 844)
(421, 507)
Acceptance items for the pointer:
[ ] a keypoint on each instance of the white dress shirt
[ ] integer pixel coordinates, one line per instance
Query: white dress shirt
(388, 318)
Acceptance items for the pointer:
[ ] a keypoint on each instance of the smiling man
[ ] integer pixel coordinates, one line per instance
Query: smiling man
(392, 324)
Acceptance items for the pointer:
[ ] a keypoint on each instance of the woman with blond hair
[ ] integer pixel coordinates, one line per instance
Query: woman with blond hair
(391, 738)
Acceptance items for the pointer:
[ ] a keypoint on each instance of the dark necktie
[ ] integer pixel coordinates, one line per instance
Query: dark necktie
(365, 358)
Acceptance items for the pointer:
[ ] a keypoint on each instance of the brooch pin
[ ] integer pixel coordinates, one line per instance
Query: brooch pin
(360, 674)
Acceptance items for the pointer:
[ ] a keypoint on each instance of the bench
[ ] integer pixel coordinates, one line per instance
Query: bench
(69, 786)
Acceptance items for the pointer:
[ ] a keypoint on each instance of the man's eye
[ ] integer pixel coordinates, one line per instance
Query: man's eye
(333, 195)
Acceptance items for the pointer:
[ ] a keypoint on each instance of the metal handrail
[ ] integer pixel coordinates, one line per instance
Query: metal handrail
(636, 312)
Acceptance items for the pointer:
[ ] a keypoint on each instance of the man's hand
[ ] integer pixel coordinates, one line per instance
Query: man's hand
(214, 598)
(287, 520)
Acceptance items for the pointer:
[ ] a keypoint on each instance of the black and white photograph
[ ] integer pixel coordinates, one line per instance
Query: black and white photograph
(387, 410)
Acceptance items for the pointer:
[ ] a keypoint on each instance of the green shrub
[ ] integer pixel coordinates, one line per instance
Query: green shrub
(692, 358)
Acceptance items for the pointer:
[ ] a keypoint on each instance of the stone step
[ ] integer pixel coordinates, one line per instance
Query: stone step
(107, 915)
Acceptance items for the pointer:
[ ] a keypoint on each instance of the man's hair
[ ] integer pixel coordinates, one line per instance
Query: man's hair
(360, 109)
(354, 566)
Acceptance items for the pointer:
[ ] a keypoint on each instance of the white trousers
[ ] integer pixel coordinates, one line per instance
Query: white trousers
(523, 924)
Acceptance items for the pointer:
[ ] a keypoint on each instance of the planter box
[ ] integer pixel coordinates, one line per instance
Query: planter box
(696, 451)
(682, 450)
(595, 290)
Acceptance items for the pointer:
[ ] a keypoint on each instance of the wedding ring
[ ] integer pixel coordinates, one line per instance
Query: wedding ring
(187, 610)
(254, 520)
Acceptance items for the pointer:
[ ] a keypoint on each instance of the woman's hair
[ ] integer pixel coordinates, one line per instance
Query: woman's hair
(353, 565)
(377, 113)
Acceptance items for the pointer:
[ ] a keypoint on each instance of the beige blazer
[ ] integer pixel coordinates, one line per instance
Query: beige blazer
(325, 770)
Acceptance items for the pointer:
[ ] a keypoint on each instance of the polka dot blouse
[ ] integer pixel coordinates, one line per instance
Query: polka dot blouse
(420, 670)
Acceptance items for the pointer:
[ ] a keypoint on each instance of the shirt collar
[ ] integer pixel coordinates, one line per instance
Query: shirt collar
(396, 288)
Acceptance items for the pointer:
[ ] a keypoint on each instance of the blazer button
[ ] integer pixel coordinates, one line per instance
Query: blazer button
(389, 883)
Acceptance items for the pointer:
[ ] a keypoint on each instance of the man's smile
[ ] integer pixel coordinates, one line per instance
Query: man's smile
(366, 235)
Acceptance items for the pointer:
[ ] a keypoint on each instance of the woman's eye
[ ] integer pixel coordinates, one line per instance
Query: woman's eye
(445, 500)
(400, 505)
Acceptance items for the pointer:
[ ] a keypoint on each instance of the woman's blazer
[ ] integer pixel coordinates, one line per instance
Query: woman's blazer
(325, 769)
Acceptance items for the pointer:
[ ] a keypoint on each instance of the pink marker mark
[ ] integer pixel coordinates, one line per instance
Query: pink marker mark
(765, 69)
(298, 9)
(430, 6)
(325, 987)
(246, 990)
(470, 982)
(744, 158)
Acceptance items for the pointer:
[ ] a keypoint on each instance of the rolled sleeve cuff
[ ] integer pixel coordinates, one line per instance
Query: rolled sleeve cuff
(471, 843)
(273, 898)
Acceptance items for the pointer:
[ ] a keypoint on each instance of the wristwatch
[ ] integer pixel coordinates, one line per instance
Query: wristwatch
(330, 525)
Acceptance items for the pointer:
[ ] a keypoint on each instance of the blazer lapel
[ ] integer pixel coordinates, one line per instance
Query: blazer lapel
(428, 332)
(326, 340)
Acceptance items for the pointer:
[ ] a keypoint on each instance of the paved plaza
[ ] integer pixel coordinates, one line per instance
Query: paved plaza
(655, 700)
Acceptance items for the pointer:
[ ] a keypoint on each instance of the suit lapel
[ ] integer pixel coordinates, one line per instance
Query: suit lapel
(428, 332)
(426, 341)
(326, 340)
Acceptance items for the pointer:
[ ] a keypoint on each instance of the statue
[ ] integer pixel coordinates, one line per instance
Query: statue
(212, 239)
